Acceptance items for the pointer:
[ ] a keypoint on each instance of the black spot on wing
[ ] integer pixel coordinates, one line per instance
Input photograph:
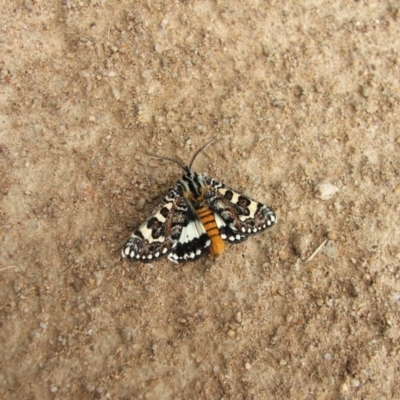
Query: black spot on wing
(164, 212)
(243, 201)
(228, 195)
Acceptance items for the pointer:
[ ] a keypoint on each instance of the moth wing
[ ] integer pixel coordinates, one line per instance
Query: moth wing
(192, 243)
(159, 234)
(237, 215)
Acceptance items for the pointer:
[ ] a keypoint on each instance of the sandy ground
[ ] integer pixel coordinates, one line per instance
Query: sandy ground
(297, 94)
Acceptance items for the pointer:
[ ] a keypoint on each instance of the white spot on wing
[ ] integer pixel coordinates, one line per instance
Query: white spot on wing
(219, 221)
(193, 230)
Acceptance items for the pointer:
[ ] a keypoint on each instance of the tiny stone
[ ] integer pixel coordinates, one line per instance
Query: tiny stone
(53, 389)
(43, 325)
(330, 249)
(92, 118)
(283, 362)
(238, 317)
(281, 292)
(300, 244)
(366, 91)
(355, 383)
(231, 333)
(320, 302)
(328, 356)
(158, 48)
(98, 276)
(325, 190)
(116, 93)
(247, 366)
(395, 297)
(332, 236)
(140, 204)
(27, 164)
(283, 255)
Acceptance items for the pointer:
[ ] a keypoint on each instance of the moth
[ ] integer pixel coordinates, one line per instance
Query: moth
(198, 214)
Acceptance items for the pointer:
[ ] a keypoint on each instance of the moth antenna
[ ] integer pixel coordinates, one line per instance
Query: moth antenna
(200, 150)
(169, 159)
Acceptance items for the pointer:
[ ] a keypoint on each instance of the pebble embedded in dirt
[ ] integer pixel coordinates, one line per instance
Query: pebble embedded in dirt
(300, 244)
(330, 249)
(140, 204)
(325, 190)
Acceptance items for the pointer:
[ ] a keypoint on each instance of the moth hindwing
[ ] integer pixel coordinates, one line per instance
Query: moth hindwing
(198, 214)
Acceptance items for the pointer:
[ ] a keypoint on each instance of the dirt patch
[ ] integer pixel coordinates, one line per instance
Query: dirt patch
(297, 95)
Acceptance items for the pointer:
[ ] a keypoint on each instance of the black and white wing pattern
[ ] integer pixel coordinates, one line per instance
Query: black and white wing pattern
(172, 229)
(237, 216)
(197, 215)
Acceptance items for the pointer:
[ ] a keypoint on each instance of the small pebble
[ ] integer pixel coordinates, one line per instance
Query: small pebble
(283, 362)
(355, 383)
(247, 366)
(231, 333)
(53, 389)
(300, 244)
(238, 317)
(98, 276)
(332, 236)
(140, 204)
(62, 340)
(344, 388)
(158, 48)
(92, 118)
(116, 93)
(395, 297)
(328, 356)
(283, 255)
(325, 190)
(330, 249)
(43, 325)
(27, 164)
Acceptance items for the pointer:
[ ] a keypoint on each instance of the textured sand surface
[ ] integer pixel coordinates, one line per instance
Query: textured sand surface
(301, 97)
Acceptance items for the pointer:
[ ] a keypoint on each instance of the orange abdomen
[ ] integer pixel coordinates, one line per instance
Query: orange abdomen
(207, 219)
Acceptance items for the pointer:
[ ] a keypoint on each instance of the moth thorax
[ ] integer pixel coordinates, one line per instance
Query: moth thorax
(193, 185)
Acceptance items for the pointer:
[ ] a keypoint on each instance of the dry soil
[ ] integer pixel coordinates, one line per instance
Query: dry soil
(297, 93)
